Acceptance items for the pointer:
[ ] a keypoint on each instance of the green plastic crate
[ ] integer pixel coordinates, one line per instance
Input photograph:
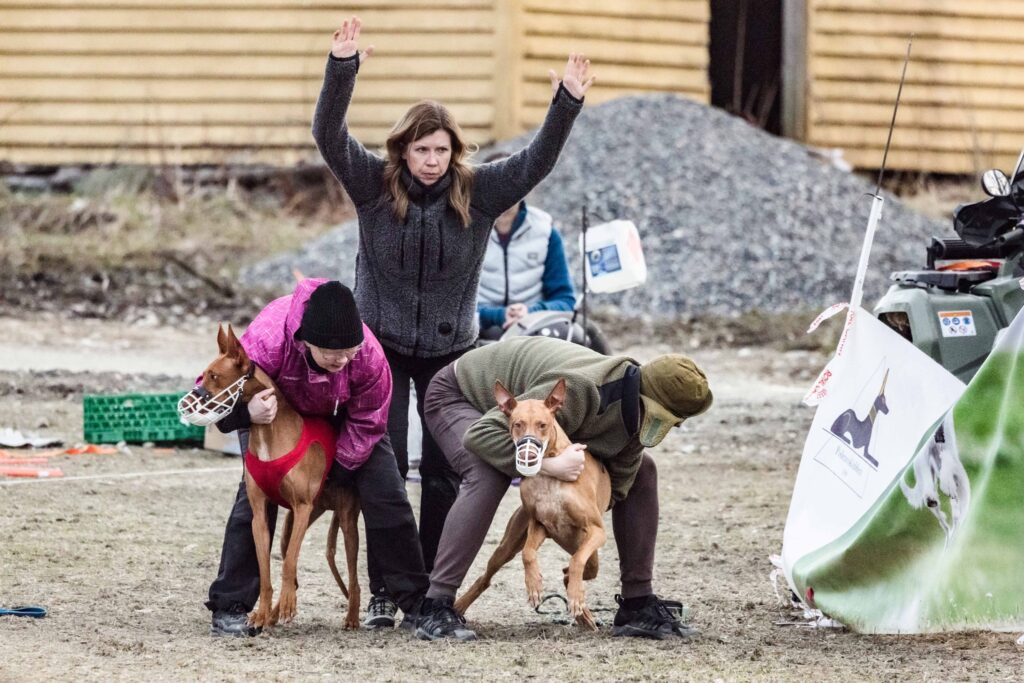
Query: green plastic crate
(136, 418)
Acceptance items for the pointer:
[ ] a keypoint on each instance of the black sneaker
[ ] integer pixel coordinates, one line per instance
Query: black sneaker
(233, 621)
(380, 613)
(409, 621)
(438, 620)
(654, 618)
(411, 618)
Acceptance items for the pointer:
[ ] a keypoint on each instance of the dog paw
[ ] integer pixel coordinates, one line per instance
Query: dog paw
(285, 610)
(577, 596)
(534, 585)
(259, 618)
(586, 620)
(352, 616)
(533, 593)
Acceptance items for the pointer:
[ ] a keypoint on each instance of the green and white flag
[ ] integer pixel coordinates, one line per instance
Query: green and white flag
(908, 509)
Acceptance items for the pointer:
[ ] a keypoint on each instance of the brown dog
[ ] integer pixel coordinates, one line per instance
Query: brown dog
(298, 489)
(568, 512)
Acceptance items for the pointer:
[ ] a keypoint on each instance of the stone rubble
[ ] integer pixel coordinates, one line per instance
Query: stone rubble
(732, 219)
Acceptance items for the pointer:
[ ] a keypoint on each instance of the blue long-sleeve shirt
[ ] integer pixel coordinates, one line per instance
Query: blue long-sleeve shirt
(557, 291)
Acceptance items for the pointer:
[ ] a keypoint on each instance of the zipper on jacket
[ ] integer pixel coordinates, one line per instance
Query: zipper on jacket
(504, 256)
(401, 249)
(419, 286)
(440, 249)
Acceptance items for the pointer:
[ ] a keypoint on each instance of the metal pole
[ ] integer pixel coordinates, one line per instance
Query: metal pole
(585, 258)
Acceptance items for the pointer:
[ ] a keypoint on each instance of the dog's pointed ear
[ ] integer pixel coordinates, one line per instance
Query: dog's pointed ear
(506, 401)
(222, 339)
(242, 359)
(231, 343)
(237, 351)
(556, 398)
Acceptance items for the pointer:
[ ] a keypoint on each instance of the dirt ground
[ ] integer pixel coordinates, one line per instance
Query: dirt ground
(122, 549)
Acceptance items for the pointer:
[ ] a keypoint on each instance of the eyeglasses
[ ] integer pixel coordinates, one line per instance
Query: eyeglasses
(338, 354)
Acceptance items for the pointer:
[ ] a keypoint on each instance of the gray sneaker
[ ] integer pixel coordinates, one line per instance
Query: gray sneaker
(380, 613)
(233, 622)
(438, 620)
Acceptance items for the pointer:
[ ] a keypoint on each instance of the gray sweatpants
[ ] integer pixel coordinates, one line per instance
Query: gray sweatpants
(448, 416)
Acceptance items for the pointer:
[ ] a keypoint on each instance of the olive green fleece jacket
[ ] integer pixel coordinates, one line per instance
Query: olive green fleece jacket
(529, 367)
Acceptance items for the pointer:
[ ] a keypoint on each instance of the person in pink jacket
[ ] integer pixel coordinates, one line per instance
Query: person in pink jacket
(326, 363)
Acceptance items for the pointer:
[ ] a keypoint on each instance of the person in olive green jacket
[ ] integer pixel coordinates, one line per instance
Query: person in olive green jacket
(614, 408)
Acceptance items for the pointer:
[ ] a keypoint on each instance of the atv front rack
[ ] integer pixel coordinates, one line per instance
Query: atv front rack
(949, 280)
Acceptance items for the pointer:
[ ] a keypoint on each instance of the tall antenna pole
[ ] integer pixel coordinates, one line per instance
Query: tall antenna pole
(896, 108)
(816, 393)
(876, 214)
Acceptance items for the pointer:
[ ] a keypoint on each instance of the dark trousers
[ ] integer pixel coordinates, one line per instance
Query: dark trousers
(392, 546)
(439, 483)
(634, 520)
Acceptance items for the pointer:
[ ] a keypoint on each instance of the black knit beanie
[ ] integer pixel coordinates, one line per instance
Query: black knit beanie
(331, 319)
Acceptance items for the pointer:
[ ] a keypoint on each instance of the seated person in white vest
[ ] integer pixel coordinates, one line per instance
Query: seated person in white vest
(524, 269)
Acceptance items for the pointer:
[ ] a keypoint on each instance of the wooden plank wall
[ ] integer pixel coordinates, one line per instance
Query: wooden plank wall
(235, 81)
(224, 81)
(635, 47)
(960, 109)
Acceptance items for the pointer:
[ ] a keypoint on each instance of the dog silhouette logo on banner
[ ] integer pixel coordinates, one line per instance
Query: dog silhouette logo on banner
(860, 430)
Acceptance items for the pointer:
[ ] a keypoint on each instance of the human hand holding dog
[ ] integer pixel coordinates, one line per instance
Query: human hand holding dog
(567, 465)
(263, 407)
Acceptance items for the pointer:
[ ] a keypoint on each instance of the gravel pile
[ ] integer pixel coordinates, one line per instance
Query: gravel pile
(732, 219)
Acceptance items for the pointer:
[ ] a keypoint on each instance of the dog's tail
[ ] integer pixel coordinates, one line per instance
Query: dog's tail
(332, 551)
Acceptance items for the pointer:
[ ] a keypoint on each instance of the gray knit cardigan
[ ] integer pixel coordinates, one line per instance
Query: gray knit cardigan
(416, 281)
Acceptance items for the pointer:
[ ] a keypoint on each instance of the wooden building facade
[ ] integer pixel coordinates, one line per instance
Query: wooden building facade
(235, 81)
(958, 112)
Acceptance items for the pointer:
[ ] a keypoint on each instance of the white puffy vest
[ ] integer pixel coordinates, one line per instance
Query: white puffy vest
(517, 280)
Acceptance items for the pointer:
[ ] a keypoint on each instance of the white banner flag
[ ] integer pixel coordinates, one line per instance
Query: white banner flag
(881, 397)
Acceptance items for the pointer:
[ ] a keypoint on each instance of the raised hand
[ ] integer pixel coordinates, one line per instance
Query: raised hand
(576, 79)
(343, 43)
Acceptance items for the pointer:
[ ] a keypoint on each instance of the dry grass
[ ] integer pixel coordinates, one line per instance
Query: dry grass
(935, 195)
(132, 216)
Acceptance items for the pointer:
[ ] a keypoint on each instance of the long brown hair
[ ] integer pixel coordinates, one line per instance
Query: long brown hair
(424, 118)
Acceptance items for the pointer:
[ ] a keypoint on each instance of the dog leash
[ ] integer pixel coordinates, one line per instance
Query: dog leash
(556, 615)
(23, 611)
(560, 615)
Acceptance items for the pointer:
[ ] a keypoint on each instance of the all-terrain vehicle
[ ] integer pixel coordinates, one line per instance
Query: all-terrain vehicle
(566, 325)
(970, 288)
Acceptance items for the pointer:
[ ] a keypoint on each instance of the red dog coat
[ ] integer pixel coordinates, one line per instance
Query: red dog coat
(269, 474)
